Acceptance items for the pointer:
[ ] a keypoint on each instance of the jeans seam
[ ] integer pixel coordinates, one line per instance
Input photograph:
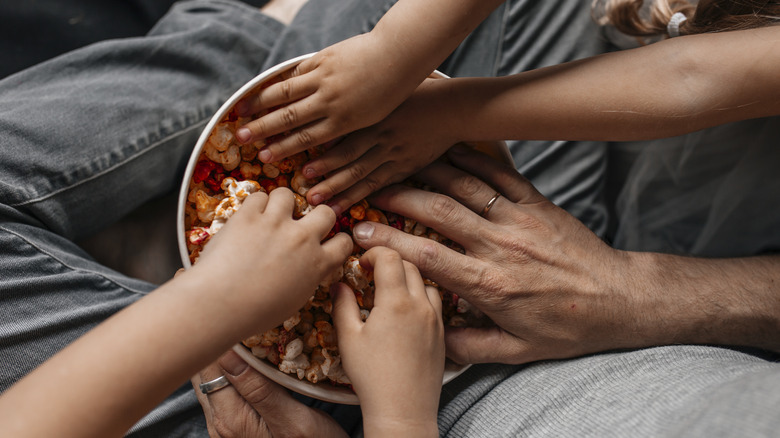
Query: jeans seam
(73, 268)
(110, 168)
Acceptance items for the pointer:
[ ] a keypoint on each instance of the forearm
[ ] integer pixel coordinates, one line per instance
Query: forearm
(704, 301)
(108, 379)
(665, 89)
(418, 35)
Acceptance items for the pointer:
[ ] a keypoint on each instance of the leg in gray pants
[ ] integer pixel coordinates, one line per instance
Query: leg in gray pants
(90, 136)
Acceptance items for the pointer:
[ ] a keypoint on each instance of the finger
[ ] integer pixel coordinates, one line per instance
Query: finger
(284, 119)
(440, 212)
(222, 403)
(256, 202)
(467, 345)
(281, 203)
(337, 249)
(202, 398)
(348, 150)
(352, 183)
(450, 269)
(279, 410)
(276, 93)
(300, 138)
(346, 313)
(463, 187)
(320, 219)
(414, 281)
(503, 177)
(435, 299)
(389, 273)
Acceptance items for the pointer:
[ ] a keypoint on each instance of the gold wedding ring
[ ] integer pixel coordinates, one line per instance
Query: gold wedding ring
(489, 204)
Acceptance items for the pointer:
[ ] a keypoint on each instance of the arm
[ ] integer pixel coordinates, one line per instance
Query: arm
(669, 88)
(106, 380)
(665, 89)
(553, 288)
(395, 359)
(357, 82)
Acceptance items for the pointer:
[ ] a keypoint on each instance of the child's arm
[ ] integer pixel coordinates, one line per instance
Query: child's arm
(665, 89)
(259, 269)
(359, 81)
(395, 359)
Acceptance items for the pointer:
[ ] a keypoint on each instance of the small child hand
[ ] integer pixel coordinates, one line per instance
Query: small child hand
(395, 359)
(265, 263)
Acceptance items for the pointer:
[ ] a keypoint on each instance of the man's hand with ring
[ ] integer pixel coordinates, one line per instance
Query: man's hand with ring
(253, 406)
(550, 284)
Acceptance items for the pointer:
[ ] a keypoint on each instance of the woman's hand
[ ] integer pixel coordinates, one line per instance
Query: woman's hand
(395, 359)
(265, 264)
(342, 88)
(253, 406)
(551, 286)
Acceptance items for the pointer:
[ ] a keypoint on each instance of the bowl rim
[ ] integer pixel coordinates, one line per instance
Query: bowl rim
(328, 393)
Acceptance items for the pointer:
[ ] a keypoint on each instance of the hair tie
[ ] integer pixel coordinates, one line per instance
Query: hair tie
(673, 28)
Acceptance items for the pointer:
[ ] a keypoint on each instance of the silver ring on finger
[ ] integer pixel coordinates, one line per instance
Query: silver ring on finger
(214, 385)
(490, 204)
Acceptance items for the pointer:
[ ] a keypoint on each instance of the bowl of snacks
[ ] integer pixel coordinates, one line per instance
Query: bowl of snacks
(301, 354)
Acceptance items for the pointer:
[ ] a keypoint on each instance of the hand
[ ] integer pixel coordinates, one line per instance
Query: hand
(395, 359)
(419, 131)
(253, 406)
(265, 264)
(552, 287)
(342, 88)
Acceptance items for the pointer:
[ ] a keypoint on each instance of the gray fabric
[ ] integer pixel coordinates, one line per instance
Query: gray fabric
(86, 138)
(710, 193)
(664, 391)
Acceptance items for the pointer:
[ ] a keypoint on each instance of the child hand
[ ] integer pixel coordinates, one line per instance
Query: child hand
(265, 264)
(342, 88)
(395, 359)
(418, 132)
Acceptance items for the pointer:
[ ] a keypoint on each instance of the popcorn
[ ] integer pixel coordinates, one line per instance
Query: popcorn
(305, 344)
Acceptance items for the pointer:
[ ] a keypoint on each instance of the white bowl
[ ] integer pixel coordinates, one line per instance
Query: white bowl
(323, 391)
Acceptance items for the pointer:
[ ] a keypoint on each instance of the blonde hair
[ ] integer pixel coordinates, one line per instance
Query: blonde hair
(628, 17)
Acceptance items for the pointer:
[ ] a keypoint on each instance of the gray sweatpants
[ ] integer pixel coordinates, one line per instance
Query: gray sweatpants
(89, 136)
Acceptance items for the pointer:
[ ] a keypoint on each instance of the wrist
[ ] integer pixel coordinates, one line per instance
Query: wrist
(687, 300)
(381, 426)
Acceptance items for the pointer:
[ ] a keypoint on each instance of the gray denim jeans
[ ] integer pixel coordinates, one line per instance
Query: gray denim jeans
(89, 136)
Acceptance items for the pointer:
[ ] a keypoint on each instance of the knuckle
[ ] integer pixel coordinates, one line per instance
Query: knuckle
(356, 171)
(428, 256)
(289, 116)
(304, 139)
(468, 186)
(444, 209)
(286, 89)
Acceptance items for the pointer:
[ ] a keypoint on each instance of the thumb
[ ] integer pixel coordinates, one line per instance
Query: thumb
(346, 313)
(276, 406)
(467, 345)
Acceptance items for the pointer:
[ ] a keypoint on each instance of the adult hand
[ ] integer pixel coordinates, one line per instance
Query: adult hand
(420, 130)
(395, 360)
(549, 284)
(253, 406)
(342, 88)
(265, 264)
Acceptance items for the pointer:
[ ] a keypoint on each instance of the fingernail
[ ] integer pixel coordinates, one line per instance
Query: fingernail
(317, 199)
(242, 107)
(264, 156)
(232, 364)
(336, 209)
(363, 231)
(309, 173)
(243, 135)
